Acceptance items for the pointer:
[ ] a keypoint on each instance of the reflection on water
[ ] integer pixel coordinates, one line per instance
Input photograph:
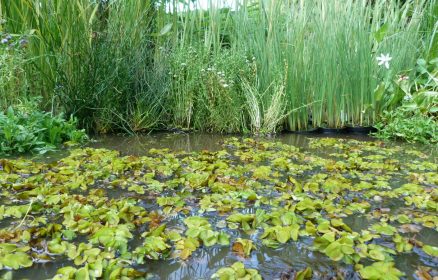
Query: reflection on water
(189, 142)
(271, 263)
(41, 270)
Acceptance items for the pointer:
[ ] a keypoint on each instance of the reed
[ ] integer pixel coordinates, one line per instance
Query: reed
(261, 65)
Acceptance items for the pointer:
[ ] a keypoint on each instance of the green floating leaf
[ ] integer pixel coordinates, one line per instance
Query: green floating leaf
(381, 271)
(431, 250)
(16, 260)
(237, 271)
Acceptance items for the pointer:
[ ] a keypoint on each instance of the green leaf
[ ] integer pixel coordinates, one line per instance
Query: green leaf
(376, 255)
(166, 29)
(381, 271)
(334, 251)
(430, 250)
(304, 274)
(380, 34)
(16, 260)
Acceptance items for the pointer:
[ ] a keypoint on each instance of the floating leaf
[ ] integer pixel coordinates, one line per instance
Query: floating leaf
(381, 271)
(431, 250)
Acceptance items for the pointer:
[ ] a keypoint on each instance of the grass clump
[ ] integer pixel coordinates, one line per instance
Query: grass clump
(14, 80)
(206, 90)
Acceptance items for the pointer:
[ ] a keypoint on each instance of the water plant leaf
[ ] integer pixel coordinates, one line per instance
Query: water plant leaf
(236, 271)
(243, 247)
(304, 274)
(381, 270)
(431, 250)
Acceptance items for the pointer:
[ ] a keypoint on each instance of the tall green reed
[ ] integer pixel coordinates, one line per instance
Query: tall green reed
(261, 65)
(60, 45)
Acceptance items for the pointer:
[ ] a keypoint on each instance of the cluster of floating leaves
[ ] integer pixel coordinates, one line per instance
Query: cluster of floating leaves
(89, 206)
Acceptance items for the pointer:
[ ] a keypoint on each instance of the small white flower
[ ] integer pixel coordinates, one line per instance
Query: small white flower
(183, 64)
(384, 60)
(225, 86)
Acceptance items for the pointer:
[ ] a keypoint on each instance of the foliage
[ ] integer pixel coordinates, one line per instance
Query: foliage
(142, 65)
(412, 106)
(29, 130)
(381, 270)
(411, 126)
(91, 59)
(236, 271)
(206, 90)
(199, 202)
(14, 80)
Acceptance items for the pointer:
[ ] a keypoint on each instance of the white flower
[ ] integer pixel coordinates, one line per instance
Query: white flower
(225, 85)
(384, 60)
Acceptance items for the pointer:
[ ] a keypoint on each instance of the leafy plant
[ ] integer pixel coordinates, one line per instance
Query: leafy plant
(14, 257)
(30, 130)
(411, 105)
(67, 210)
(411, 126)
(380, 271)
(237, 271)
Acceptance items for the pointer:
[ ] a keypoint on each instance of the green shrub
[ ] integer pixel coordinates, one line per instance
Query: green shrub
(408, 125)
(25, 130)
(411, 105)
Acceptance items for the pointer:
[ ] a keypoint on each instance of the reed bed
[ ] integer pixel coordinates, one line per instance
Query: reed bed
(259, 66)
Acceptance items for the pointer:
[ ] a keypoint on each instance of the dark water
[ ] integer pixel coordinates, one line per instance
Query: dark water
(271, 263)
(139, 145)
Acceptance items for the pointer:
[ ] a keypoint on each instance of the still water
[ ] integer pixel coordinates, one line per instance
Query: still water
(271, 263)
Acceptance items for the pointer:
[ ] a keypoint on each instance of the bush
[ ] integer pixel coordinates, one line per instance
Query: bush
(416, 118)
(29, 130)
(408, 125)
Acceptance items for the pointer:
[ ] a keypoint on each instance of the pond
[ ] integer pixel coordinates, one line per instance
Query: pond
(193, 206)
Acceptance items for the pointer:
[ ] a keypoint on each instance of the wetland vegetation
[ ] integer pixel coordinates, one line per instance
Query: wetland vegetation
(185, 205)
(252, 66)
(334, 208)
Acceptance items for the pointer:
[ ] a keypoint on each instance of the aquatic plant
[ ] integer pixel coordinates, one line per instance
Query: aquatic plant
(247, 197)
(237, 271)
(139, 66)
